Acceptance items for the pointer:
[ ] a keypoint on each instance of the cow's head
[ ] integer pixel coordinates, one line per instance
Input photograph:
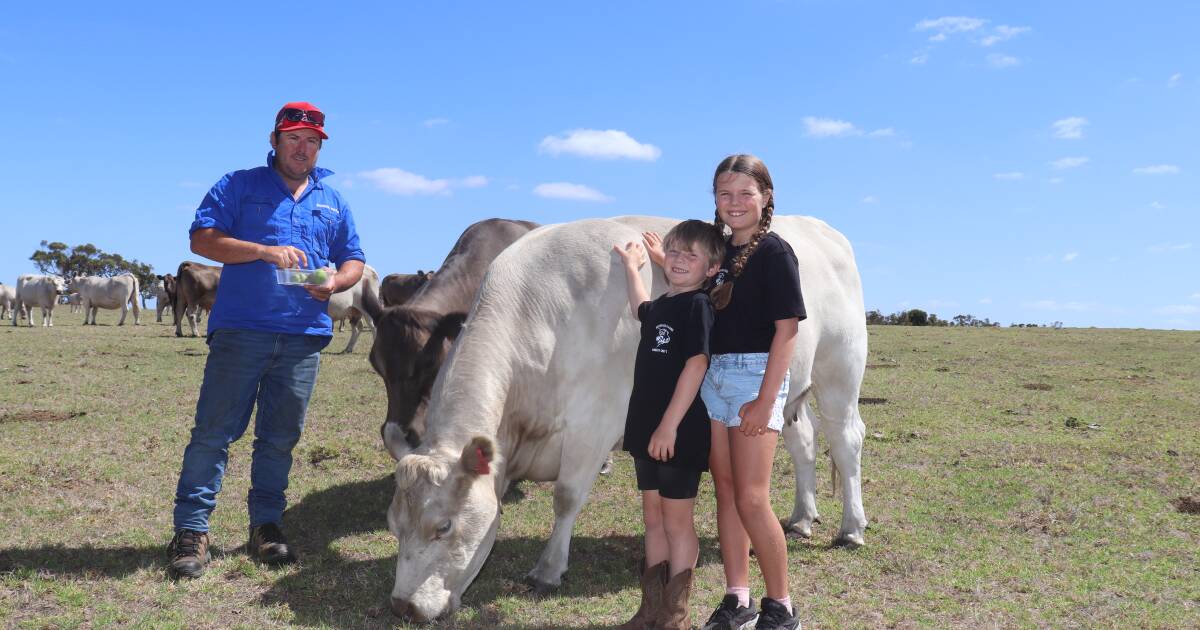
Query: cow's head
(444, 515)
(61, 284)
(408, 350)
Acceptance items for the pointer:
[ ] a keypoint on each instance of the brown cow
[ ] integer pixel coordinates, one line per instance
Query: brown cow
(412, 339)
(195, 288)
(398, 288)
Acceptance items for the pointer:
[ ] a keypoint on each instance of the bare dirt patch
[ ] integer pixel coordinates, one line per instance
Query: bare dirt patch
(1038, 387)
(1188, 505)
(40, 415)
(872, 401)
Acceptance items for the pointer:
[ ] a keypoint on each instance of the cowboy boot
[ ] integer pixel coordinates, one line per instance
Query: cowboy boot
(674, 613)
(652, 594)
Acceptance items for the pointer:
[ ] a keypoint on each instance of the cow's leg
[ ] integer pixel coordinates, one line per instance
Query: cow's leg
(800, 439)
(355, 331)
(124, 310)
(137, 312)
(47, 317)
(193, 317)
(582, 458)
(844, 428)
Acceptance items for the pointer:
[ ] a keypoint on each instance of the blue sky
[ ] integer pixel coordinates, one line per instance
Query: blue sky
(1025, 162)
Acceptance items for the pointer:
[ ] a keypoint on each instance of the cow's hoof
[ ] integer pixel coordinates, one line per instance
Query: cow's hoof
(849, 541)
(539, 587)
(607, 467)
(797, 530)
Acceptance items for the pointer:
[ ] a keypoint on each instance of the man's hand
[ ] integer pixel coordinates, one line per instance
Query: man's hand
(284, 257)
(325, 289)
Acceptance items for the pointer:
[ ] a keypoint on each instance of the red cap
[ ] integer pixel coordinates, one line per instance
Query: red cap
(310, 118)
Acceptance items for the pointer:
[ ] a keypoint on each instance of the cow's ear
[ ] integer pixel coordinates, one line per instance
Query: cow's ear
(477, 456)
(371, 305)
(450, 325)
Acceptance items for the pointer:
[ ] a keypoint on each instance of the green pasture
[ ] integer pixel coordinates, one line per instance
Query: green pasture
(1014, 478)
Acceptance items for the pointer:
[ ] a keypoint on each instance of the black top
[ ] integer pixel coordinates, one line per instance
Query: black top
(675, 328)
(768, 290)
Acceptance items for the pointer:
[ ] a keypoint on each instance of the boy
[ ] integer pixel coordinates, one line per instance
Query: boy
(667, 428)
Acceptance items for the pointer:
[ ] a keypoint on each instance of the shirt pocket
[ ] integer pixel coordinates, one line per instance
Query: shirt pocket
(322, 225)
(257, 221)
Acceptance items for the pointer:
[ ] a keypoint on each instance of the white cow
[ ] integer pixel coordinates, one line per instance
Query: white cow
(534, 388)
(8, 299)
(162, 301)
(40, 291)
(97, 292)
(341, 304)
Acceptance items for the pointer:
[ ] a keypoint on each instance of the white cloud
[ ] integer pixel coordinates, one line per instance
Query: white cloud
(1168, 247)
(610, 144)
(434, 122)
(474, 181)
(1003, 33)
(1069, 162)
(1055, 180)
(574, 192)
(985, 300)
(1011, 176)
(1174, 80)
(1154, 205)
(919, 58)
(1069, 128)
(996, 60)
(1157, 169)
(1178, 309)
(1070, 257)
(1195, 296)
(829, 127)
(948, 25)
(870, 199)
(401, 182)
(886, 132)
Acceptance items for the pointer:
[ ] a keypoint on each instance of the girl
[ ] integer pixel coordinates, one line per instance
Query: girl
(758, 310)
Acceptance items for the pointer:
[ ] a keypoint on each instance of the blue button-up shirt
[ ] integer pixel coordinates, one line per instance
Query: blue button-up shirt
(255, 205)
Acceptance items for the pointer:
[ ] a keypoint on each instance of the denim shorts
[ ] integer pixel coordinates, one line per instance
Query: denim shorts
(733, 380)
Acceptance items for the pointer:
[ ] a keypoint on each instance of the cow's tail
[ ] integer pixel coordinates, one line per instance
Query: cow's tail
(133, 299)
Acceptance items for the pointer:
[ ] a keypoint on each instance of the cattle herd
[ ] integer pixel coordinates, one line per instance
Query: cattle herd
(504, 364)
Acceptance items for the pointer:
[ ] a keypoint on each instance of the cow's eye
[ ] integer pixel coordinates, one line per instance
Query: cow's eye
(442, 529)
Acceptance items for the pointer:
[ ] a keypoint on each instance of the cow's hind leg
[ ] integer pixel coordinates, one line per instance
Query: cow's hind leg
(844, 428)
(124, 311)
(800, 439)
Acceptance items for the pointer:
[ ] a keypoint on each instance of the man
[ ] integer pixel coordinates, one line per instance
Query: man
(264, 338)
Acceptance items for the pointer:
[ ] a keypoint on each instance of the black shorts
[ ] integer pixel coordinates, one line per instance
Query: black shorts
(671, 482)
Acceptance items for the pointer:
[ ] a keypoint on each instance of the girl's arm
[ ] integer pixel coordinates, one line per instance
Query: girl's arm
(757, 413)
(633, 258)
(662, 443)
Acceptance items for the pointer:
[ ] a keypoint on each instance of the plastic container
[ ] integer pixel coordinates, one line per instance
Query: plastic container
(303, 276)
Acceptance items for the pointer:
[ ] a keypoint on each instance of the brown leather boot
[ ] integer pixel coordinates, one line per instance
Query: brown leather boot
(653, 580)
(674, 614)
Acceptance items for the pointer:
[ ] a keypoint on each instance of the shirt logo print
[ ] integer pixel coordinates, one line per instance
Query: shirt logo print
(662, 339)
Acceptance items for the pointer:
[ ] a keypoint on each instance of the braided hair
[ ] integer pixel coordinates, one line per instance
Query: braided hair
(753, 167)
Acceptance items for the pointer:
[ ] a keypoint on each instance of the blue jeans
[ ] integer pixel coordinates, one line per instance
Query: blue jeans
(733, 380)
(276, 371)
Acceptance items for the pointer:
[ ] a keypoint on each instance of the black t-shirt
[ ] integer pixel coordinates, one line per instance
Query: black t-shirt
(675, 328)
(768, 290)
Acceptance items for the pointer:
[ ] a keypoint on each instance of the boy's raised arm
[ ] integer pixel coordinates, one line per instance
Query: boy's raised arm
(633, 257)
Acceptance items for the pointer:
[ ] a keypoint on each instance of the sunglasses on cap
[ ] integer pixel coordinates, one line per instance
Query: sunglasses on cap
(301, 115)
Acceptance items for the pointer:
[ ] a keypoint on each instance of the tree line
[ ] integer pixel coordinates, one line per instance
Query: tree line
(918, 317)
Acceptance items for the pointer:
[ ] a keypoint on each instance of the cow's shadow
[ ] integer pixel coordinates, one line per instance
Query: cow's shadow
(333, 588)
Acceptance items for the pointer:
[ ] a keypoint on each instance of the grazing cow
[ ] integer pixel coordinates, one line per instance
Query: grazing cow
(535, 388)
(8, 297)
(397, 288)
(344, 304)
(195, 289)
(40, 291)
(97, 292)
(74, 301)
(162, 297)
(412, 339)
